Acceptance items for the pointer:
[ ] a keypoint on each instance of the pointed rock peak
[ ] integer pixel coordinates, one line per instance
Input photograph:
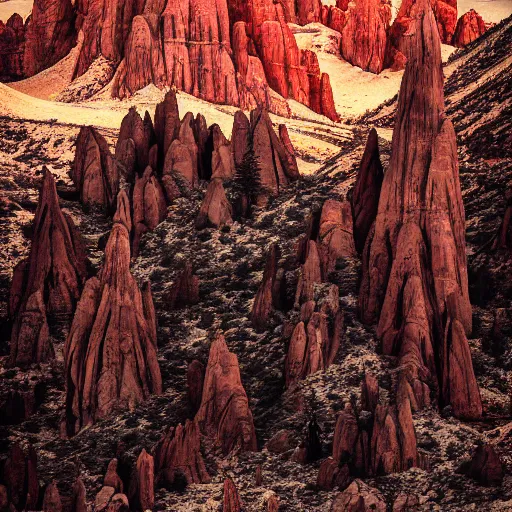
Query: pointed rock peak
(231, 501)
(178, 455)
(369, 393)
(469, 27)
(366, 193)
(216, 211)
(167, 121)
(145, 481)
(52, 501)
(310, 274)
(240, 136)
(49, 283)
(485, 466)
(224, 412)
(358, 497)
(112, 479)
(185, 289)
(79, 499)
(122, 214)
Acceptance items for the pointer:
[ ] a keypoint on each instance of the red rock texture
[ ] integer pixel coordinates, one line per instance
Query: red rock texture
(336, 234)
(446, 16)
(52, 501)
(310, 274)
(145, 481)
(321, 99)
(216, 210)
(421, 205)
(20, 477)
(79, 499)
(485, 466)
(110, 357)
(364, 35)
(308, 11)
(316, 338)
(112, 478)
(469, 27)
(179, 453)
(231, 501)
(49, 283)
(185, 289)
(12, 47)
(291, 169)
(358, 497)
(331, 475)
(50, 34)
(195, 382)
(224, 413)
(267, 296)
(95, 172)
(223, 165)
(366, 193)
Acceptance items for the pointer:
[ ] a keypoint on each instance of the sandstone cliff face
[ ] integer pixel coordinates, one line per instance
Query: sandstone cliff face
(224, 413)
(110, 356)
(416, 298)
(48, 284)
(469, 27)
(50, 35)
(12, 47)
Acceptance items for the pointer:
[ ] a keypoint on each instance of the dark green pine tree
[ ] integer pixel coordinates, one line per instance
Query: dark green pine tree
(247, 182)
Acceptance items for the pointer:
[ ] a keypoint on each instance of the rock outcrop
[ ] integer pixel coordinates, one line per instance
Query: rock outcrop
(20, 477)
(195, 382)
(48, 284)
(267, 297)
(485, 466)
(185, 289)
(310, 274)
(231, 501)
(12, 48)
(421, 302)
(95, 171)
(50, 34)
(145, 481)
(364, 34)
(52, 501)
(110, 356)
(469, 27)
(224, 413)
(178, 454)
(216, 210)
(366, 192)
(358, 497)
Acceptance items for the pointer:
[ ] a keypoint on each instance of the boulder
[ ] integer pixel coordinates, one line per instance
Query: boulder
(224, 413)
(469, 27)
(359, 497)
(179, 453)
(216, 210)
(366, 192)
(49, 284)
(110, 356)
(331, 475)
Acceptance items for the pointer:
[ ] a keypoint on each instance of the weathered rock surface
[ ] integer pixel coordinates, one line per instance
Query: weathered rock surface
(95, 172)
(310, 274)
(231, 500)
(185, 289)
(179, 454)
(216, 210)
(366, 192)
(12, 48)
(145, 481)
(50, 34)
(195, 382)
(485, 466)
(49, 283)
(469, 27)
(224, 413)
(359, 497)
(110, 355)
(52, 501)
(421, 205)
(366, 48)
(20, 477)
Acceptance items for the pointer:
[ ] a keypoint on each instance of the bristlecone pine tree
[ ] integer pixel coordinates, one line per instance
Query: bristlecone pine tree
(246, 183)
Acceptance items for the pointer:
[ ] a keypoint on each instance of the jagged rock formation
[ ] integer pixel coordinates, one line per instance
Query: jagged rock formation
(231, 501)
(185, 289)
(112, 478)
(358, 497)
(422, 303)
(95, 172)
(12, 47)
(336, 234)
(110, 355)
(316, 338)
(145, 481)
(366, 192)
(366, 48)
(20, 477)
(195, 382)
(50, 34)
(52, 501)
(179, 454)
(485, 466)
(268, 295)
(310, 274)
(79, 499)
(469, 27)
(222, 158)
(216, 210)
(224, 413)
(321, 99)
(48, 284)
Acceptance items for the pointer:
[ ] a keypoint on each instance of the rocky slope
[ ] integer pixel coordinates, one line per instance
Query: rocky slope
(271, 412)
